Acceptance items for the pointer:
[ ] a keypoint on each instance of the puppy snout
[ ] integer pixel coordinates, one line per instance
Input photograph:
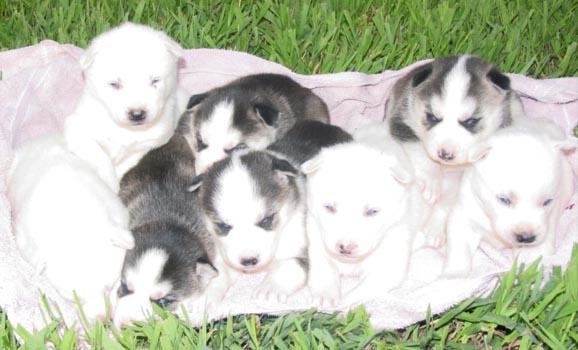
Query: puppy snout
(525, 237)
(137, 115)
(346, 249)
(445, 154)
(249, 261)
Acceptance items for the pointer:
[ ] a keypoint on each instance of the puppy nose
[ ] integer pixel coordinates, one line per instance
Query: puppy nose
(445, 155)
(525, 237)
(346, 249)
(137, 115)
(250, 261)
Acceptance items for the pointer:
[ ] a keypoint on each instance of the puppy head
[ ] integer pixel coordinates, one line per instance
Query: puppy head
(248, 200)
(354, 194)
(161, 269)
(518, 183)
(231, 118)
(132, 71)
(457, 102)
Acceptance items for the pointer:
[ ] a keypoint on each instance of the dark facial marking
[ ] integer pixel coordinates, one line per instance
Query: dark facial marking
(431, 120)
(223, 228)
(401, 131)
(123, 290)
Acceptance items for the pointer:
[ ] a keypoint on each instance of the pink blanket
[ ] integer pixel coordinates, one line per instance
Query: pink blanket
(39, 88)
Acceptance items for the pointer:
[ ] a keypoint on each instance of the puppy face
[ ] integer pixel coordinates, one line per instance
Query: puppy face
(163, 271)
(132, 70)
(519, 186)
(248, 199)
(228, 120)
(456, 103)
(354, 194)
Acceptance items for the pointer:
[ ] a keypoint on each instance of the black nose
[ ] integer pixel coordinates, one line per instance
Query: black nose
(525, 237)
(445, 155)
(137, 115)
(249, 261)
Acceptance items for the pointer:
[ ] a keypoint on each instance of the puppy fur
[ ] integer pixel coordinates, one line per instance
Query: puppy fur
(173, 250)
(513, 195)
(253, 203)
(130, 102)
(252, 112)
(66, 219)
(363, 212)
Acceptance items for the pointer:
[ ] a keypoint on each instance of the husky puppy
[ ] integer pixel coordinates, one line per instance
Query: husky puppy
(253, 204)
(362, 213)
(512, 196)
(442, 109)
(68, 223)
(130, 102)
(173, 251)
(252, 112)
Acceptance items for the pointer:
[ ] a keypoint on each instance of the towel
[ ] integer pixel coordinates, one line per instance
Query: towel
(41, 84)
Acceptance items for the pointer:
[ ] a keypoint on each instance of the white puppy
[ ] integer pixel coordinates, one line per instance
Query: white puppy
(67, 222)
(513, 196)
(130, 103)
(363, 212)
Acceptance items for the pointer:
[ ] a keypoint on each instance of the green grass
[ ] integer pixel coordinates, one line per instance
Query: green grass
(532, 37)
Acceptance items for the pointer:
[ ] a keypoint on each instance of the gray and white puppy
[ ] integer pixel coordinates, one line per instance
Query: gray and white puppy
(439, 110)
(173, 251)
(253, 112)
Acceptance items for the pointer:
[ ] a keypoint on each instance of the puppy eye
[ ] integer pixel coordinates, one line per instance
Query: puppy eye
(330, 208)
(470, 123)
(371, 212)
(155, 81)
(267, 222)
(504, 200)
(236, 148)
(164, 302)
(200, 144)
(123, 290)
(547, 202)
(223, 228)
(115, 84)
(432, 119)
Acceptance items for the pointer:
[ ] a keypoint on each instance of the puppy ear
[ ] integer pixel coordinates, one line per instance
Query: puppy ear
(196, 183)
(268, 114)
(311, 166)
(478, 151)
(284, 167)
(206, 271)
(421, 74)
(195, 100)
(87, 58)
(172, 46)
(498, 79)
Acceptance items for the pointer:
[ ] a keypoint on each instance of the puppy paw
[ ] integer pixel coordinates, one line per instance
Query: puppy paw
(430, 190)
(271, 291)
(324, 298)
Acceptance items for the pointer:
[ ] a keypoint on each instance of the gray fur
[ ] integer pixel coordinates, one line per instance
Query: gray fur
(164, 215)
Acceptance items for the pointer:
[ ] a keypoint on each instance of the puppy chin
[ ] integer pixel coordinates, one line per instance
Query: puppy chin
(249, 270)
(347, 259)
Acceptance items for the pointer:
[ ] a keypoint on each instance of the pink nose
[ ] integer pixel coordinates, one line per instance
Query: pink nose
(346, 249)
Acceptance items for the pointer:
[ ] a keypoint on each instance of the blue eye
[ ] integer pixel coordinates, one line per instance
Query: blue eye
(547, 202)
(470, 123)
(223, 228)
(267, 222)
(432, 119)
(504, 200)
(164, 302)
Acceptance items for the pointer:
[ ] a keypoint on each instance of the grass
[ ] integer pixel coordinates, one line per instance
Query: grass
(532, 37)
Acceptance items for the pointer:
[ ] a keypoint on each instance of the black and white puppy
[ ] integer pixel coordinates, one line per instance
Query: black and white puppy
(252, 112)
(173, 251)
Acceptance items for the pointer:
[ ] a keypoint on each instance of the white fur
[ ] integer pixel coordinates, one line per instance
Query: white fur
(99, 130)
(142, 281)
(67, 222)
(527, 165)
(361, 197)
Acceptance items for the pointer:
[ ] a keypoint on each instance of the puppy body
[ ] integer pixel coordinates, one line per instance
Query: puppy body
(512, 197)
(66, 220)
(130, 103)
(252, 112)
(173, 253)
(253, 203)
(363, 212)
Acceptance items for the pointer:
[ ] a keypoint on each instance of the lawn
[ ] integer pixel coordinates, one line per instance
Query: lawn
(531, 37)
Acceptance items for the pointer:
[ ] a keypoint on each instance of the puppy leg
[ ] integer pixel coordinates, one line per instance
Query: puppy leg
(285, 278)
(215, 291)
(462, 243)
(323, 280)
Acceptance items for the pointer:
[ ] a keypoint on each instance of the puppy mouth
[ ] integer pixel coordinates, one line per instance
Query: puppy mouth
(348, 259)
